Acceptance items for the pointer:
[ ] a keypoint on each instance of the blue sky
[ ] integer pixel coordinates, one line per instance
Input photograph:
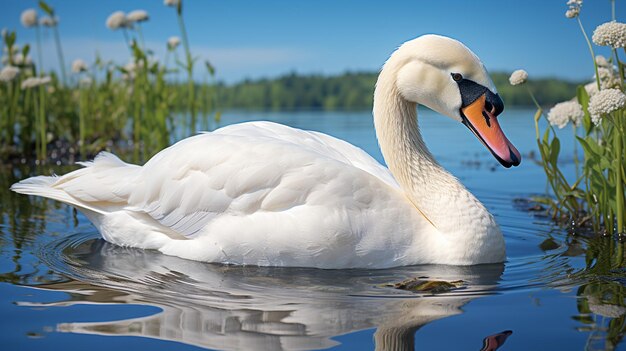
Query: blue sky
(251, 39)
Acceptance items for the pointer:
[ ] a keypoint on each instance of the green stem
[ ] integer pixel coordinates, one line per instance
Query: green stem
(127, 41)
(57, 40)
(39, 52)
(593, 55)
(81, 122)
(143, 43)
(37, 123)
(190, 84)
(532, 96)
(42, 123)
(14, 89)
(619, 182)
(576, 161)
(613, 10)
(620, 68)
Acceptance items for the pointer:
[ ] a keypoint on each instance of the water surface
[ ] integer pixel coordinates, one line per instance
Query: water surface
(65, 288)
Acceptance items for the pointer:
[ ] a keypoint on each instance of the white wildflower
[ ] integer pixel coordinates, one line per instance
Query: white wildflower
(30, 82)
(137, 16)
(21, 60)
(44, 80)
(8, 73)
(172, 3)
(564, 112)
(573, 8)
(48, 21)
(605, 101)
(79, 66)
(601, 61)
(608, 78)
(611, 34)
(591, 88)
(518, 77)
(85, 81)
(116, 20)
(4, 32)
(173, 42)
(572, 12)
(29, 18)
(131, 69)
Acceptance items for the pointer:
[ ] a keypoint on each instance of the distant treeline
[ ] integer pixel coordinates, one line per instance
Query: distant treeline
(352, 91)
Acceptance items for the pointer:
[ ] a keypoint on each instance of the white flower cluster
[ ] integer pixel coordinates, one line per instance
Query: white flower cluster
(8, 73)
(601, 61)
(85, 81)
(611, 34)
(573, 8)
(518, 77)
(32, 82)
(605, 101)
(591, 88)
(609, 78)
(173, 42)
(117, 20)
(29, 18)
(564, 112)
(18, 59)
(79, 66)
(172, 3)
(137, 16)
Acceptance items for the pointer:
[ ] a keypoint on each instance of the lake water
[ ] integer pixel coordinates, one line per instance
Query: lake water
(64, 288)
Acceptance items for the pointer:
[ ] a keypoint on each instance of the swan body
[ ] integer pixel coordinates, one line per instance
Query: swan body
(261, 193)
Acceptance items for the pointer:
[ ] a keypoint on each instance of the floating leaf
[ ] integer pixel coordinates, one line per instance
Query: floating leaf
(422, 285)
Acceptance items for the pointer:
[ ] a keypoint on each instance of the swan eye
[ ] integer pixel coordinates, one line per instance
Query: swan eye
(457, 77)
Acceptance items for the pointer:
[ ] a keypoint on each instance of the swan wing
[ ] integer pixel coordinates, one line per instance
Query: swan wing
(253, 168)
(324, 144)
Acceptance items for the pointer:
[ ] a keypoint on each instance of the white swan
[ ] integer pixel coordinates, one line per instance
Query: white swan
(266, 194)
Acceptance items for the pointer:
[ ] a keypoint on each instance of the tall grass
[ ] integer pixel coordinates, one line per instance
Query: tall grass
(134, 106)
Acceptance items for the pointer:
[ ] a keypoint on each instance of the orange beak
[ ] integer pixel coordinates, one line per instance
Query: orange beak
(484, 124)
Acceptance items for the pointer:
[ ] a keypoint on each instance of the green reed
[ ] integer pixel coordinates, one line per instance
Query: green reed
(100, 107)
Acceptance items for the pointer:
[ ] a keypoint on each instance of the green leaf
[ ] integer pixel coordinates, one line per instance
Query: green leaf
(25, 50)
(555, 148)
(583, 100)
(10, 39)
(210, 67)
(46, 8)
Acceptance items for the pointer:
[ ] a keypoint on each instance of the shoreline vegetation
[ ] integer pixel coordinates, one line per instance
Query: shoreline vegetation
(354, 91)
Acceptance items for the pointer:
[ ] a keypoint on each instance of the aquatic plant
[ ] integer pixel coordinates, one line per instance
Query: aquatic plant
(597, 195)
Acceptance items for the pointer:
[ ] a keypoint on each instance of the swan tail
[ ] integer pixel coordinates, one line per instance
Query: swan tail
(98, 187)
(44, 186)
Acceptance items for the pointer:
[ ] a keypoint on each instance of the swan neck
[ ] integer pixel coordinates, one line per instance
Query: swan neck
(437, 194)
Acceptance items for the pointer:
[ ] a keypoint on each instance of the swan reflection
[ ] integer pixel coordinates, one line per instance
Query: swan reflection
(231, 308)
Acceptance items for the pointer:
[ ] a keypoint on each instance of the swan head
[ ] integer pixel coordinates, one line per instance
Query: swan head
(444, 75)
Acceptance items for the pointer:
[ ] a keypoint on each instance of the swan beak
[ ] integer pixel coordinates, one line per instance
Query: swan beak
(484, 124)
